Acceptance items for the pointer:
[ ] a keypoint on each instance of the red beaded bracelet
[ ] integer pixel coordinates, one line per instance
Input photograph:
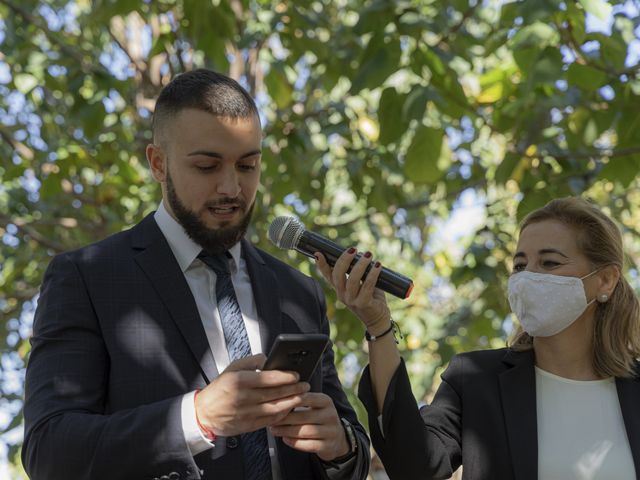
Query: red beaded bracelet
(209, 435)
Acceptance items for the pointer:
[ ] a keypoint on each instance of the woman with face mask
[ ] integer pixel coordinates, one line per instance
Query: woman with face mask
(561, 402)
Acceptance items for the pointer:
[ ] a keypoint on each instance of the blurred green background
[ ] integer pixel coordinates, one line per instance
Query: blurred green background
(422, 130)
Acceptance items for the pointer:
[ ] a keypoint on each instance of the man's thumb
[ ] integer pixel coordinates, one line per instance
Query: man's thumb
(253, 362)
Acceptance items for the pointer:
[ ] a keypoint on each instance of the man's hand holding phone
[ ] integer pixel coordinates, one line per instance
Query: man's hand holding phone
(315, 429)
(314, 426)
(255, 392)
(244, 399)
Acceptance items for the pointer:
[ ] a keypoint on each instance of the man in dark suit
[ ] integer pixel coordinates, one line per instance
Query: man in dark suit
(146, 345)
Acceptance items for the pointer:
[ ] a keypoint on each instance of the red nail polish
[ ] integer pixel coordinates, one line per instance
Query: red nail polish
(367, 255)
(351, 250)
(377, 265)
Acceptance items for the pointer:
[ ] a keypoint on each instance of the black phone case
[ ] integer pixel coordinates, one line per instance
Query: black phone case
(298, 352)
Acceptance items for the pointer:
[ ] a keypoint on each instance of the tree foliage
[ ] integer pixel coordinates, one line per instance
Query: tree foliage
(421, 130)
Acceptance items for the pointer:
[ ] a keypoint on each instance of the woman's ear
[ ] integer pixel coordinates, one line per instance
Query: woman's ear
(608, 278)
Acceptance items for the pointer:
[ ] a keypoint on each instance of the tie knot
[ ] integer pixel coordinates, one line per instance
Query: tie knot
(218, 262)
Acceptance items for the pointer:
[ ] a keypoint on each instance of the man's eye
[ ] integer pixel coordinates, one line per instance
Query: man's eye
(550, 264)
(520, 267)
(205, 168)
(248, 168)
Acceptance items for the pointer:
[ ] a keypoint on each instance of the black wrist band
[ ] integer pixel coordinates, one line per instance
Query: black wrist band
(392, 328)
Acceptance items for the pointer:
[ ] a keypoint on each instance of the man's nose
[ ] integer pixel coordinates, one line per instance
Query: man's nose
(228, 184)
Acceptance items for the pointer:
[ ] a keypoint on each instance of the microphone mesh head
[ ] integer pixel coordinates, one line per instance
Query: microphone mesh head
(285, 232)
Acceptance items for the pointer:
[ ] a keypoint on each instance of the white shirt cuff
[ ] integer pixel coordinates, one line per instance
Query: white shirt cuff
(196, 441)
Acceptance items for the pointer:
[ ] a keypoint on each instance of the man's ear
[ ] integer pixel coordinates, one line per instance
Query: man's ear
(608, 277)
(157, 162)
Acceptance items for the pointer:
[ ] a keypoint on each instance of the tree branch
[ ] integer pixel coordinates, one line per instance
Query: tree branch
(606, 152)
(22, 226)
(22, 150)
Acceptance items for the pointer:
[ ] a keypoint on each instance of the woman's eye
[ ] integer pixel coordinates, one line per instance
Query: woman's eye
(520, 267)
(550, 264)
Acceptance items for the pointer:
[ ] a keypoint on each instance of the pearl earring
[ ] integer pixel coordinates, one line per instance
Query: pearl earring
(603, 297)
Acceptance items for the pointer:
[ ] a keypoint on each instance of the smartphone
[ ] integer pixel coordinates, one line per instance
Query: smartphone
(297, 352)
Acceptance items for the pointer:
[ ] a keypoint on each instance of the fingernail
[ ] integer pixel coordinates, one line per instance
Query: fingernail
(351, 250)
(376, 265)
(367, 255)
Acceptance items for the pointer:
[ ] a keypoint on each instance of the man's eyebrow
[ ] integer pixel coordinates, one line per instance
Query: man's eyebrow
(208, 153)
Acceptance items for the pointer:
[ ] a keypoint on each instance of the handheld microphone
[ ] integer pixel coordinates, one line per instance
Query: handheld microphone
(289, 233)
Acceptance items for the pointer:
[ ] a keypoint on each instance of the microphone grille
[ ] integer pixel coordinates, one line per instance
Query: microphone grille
(285, 232)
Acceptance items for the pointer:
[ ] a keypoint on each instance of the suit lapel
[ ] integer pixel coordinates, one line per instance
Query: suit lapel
(629, 398)
(518, 393)
(158, 263)
(265, 292)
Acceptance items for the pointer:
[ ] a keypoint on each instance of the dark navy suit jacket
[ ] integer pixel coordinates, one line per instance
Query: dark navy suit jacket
(118, 341)
(483, 416)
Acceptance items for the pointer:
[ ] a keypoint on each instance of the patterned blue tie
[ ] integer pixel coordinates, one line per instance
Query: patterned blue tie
(255, 447)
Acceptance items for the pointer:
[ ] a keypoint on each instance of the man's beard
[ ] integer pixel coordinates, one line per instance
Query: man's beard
(212, 240)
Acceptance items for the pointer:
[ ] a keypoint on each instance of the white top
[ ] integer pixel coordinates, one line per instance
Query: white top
(581, 434)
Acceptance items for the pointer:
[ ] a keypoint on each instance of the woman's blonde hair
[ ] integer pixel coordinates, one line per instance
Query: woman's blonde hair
(616, 335)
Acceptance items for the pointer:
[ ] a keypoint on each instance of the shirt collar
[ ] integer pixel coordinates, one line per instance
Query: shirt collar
(183, 247)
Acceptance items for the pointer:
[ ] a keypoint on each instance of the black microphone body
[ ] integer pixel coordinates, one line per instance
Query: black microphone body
(308, 243)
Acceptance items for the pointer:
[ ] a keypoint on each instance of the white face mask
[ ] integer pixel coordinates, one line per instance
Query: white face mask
(546, 304)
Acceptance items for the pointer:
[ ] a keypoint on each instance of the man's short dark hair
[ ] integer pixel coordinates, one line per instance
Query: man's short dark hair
(204, 90)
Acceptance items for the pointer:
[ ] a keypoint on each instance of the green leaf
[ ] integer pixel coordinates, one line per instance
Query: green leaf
(507, 167)
(381, 59)
(600, 8)
(586, 77)
(375, 17)
(576, 19)
(278, 87)
(25, 82)
(532, 201)
(390, 118)
(538, 35)
(525, 58)
(421, 160)
(548, 67)
(623, 169)
(613, 49)
(416, 103)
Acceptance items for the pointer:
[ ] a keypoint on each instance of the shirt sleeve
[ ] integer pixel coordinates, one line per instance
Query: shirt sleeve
(196, 441)
(341, 472)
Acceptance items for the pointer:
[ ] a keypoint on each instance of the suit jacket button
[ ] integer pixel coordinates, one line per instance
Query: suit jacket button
(232, 442)
(174, 476)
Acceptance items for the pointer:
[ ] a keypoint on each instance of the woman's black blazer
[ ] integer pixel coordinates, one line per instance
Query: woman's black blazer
(483, 416)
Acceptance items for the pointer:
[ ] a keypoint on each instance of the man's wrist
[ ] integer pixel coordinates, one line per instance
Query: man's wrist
(207, 432)
(352, 444)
